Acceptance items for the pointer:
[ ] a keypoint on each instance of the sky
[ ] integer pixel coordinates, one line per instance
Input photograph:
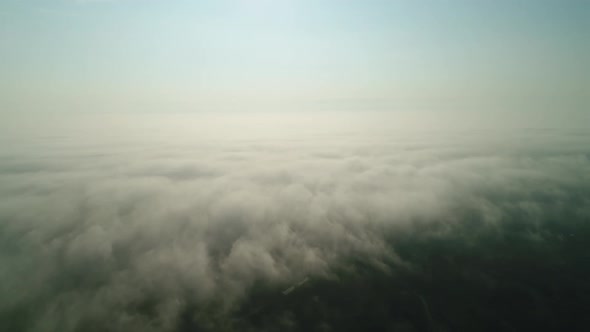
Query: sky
(300, 55)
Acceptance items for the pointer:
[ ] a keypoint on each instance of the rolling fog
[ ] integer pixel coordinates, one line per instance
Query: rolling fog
(197, 223)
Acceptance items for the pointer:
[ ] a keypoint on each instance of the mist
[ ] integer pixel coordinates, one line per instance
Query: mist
(324, 223)
(294, 165)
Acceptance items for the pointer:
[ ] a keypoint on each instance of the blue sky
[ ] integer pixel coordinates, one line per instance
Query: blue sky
(151, 55)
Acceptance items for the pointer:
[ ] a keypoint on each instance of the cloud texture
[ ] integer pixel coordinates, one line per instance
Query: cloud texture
(432, 231)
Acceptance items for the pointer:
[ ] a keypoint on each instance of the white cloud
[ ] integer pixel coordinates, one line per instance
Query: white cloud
(92, 234)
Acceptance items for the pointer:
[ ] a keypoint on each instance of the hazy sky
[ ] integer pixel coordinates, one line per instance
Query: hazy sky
(181, 55)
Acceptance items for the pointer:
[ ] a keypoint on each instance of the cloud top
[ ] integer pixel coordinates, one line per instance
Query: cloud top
(207, 235)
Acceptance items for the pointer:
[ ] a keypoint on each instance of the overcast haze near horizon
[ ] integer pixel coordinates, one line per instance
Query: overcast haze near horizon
(294, 165)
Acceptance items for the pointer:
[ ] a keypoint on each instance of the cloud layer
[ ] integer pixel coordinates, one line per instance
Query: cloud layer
(206, 235)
